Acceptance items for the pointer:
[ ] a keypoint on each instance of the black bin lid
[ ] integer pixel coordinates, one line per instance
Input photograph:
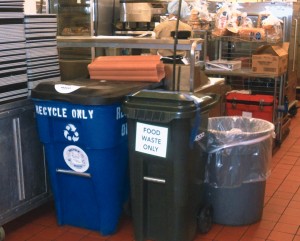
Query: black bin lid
(87, 91)
(164, 106)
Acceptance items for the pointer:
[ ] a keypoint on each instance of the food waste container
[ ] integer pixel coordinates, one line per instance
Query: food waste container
(239, 151)
(84, 133)
(166, 169)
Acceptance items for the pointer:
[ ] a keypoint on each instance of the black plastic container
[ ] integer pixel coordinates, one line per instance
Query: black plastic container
(166, 168)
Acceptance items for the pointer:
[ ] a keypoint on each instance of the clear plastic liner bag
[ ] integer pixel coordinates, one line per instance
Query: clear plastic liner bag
(273, 28)
(234, 18)
(245, 22)
(238, 149)
(184, 11)
(221, 20)
(200, 18)
(201, 7)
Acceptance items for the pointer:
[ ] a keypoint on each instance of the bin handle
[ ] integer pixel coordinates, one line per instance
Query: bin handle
(153, 179)
(215, 97)
(249, 142)
(81, 174)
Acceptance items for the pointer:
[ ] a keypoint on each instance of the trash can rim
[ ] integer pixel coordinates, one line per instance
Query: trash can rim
(267, 123)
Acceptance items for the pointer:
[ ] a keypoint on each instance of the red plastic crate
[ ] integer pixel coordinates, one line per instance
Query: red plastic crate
(247, 105)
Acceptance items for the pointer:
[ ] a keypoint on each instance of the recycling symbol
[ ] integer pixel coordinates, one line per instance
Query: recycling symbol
(70, 133)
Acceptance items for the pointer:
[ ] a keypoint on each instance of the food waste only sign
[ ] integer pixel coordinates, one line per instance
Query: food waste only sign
(151, 139)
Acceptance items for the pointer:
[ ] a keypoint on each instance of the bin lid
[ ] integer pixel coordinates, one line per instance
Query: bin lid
(163, 106)
(87, 91)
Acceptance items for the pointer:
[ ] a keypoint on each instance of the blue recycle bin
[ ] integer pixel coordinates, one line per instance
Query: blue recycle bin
(84, 134)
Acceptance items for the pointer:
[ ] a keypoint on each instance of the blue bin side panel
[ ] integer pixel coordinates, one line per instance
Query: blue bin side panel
(91, 126)
(94, 202)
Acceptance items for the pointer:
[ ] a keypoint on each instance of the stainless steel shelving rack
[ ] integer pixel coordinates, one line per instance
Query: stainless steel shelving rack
(246, 75)
(190, 45)
(233, 47)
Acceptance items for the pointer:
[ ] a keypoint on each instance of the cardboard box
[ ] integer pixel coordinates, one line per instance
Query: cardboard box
(183, 77)
(270, 59)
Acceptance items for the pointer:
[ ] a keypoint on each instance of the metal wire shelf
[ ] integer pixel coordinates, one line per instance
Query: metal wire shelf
(237, 48)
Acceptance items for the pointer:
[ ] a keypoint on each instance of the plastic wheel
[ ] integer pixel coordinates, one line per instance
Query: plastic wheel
(205, 219)
(293, 110)
(2, 234)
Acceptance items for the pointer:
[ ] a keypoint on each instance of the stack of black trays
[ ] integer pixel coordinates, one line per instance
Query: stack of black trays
(13, 69)
(42, 55)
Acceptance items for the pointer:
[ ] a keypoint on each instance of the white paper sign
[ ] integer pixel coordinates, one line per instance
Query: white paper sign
(66, 89)
(247, 114)
(151, 139)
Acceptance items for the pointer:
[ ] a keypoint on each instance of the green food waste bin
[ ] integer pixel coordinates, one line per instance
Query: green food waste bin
(166, 168)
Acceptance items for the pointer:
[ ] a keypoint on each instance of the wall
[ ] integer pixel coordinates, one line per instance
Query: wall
(33, 6)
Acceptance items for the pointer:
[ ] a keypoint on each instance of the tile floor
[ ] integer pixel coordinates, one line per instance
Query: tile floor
(280, 221)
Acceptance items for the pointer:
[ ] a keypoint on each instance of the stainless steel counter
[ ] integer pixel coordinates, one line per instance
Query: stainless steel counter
(127, 42)
(131, 42)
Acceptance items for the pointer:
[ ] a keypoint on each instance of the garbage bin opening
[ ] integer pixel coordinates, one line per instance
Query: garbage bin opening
(249, 126)
(235, 130)
(238, 149)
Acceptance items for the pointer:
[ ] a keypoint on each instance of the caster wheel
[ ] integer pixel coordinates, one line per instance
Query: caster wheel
(2, 234)
(293, 111)
(205, 219)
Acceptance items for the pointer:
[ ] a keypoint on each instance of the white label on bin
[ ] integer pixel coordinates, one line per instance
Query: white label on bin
(151, 139)
(247, 114)
(76, 158)
(66, 89)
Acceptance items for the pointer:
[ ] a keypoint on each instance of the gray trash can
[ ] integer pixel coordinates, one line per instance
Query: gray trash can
(239, 151)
